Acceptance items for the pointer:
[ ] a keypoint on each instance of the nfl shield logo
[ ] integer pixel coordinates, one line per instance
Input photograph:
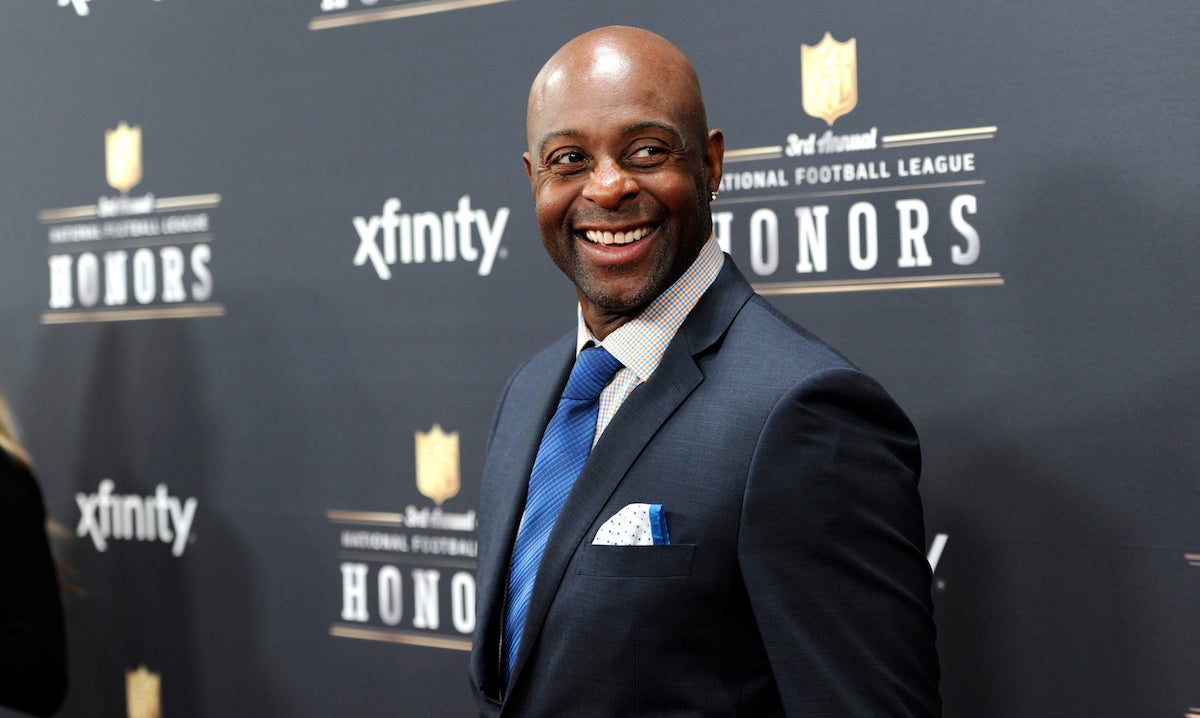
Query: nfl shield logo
(829, 75)
(142, 694)
(123, 157)
(437, 464)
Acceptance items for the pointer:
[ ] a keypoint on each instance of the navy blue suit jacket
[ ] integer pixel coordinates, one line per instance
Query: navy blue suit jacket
(796, 581)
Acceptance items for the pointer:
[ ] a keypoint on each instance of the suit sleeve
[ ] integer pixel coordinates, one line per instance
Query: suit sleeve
(832, 552)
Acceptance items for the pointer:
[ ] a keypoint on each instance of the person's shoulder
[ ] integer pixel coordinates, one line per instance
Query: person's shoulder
(781, 342)
(779, 353)
(19, 491)
(14, 471)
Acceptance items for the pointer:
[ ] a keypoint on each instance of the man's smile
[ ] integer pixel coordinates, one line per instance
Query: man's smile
(618, 237)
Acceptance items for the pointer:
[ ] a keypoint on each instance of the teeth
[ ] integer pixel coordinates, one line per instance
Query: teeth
(632, 235)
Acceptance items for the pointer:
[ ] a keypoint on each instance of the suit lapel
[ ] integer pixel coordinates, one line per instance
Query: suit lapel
(630, 430)
(526, 409)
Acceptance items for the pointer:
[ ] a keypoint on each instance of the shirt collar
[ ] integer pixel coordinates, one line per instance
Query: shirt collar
(640, 343)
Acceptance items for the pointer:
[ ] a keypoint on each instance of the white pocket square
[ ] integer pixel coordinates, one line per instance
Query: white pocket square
(635, 525)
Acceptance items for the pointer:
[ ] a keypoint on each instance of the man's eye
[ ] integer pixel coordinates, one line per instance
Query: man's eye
(649, 154)
(566, 158)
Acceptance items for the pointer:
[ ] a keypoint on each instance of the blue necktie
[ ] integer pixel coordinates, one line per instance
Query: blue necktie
(564, 449)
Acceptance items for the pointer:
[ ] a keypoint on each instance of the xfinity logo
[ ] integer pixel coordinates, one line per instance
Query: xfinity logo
(106, 516)
(935, 556)
(935, 550)
(80, 6)
(390, 237)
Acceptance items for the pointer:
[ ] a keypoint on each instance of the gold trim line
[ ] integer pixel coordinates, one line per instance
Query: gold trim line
(126, 315)
(63, 214)
(412, 639)
(990, 130)
(428, 7)
(161, 204)
(879, 284)
(191, 201)
(365, 517)
(754, 153)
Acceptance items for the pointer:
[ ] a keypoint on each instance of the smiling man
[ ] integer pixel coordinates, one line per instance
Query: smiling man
(621, 165)
(690, 506)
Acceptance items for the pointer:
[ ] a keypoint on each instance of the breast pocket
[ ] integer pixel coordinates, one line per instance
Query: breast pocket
(674, 560)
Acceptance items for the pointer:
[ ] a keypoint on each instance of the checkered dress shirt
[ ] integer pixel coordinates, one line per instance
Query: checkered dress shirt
(640, 343)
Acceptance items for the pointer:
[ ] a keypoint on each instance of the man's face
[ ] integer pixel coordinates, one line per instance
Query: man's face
(620, 171)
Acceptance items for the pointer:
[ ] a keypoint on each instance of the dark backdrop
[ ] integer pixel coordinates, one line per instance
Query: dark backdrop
(218, 333)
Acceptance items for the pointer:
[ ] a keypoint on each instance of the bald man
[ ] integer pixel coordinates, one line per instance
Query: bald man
(731, 527)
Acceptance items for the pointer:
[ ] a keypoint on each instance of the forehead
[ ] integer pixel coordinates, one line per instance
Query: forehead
(608, 92)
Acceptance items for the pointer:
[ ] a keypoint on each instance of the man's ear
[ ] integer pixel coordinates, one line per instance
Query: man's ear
(714, 158)
(528, 167)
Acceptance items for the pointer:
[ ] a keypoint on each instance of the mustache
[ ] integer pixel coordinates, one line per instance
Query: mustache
(610, 219)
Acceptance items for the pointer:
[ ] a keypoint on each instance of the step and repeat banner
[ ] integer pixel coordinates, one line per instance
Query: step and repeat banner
(267, 266)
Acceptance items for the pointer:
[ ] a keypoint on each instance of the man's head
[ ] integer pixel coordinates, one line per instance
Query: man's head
(621, 163)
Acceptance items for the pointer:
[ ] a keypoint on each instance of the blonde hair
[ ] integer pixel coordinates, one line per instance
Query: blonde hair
(8, 435)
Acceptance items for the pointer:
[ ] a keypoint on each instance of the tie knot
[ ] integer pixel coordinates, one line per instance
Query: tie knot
(594, 367)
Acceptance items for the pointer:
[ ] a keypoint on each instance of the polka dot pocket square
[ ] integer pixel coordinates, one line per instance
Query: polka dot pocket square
(635, 525)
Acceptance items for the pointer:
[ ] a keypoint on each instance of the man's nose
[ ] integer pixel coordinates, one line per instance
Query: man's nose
(608, 183)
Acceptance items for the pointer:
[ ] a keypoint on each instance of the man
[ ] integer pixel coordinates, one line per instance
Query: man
(745, 536)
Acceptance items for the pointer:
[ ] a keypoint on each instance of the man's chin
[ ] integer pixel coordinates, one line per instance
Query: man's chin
(617, 302)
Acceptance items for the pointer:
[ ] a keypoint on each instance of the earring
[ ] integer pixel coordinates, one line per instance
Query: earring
(712, 196)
